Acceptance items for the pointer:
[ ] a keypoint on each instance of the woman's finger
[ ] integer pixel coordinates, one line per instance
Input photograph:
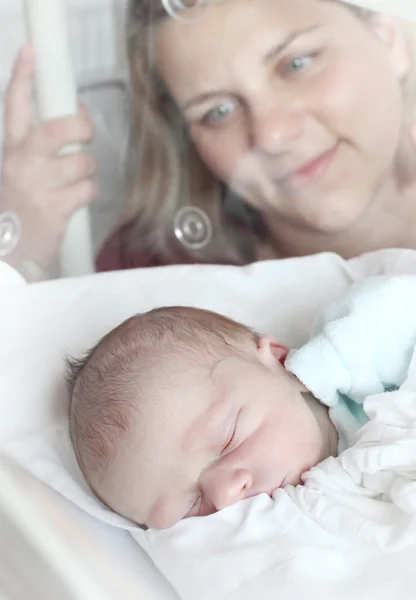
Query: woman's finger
(18, 100)
(71, 169)
(76, 196)
(53, 136)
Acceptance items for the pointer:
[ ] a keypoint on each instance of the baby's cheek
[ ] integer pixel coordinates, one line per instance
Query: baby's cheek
(166, 513)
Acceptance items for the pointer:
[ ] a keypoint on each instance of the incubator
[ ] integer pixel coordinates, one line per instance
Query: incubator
(335, 537)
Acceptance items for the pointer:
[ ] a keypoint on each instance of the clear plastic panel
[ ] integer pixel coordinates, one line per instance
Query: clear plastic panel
(225, 131)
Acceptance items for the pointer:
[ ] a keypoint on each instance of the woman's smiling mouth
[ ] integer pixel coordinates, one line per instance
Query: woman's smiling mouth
(309, 172)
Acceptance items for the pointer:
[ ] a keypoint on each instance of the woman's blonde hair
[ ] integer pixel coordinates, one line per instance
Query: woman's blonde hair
(165, 171)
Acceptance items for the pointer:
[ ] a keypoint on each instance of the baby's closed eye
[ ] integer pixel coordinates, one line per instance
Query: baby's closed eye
(230, 442)
(196, 503)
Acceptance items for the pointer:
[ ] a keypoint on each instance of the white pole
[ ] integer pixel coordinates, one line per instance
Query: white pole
(47, 24)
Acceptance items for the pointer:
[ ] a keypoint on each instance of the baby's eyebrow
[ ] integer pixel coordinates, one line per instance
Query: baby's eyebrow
(205, 434)
(221, 423)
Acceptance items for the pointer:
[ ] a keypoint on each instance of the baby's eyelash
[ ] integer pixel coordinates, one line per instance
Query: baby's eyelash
(230, 439)
(195, 507)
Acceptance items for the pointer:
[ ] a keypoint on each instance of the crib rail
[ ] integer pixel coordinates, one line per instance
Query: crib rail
(57, 97)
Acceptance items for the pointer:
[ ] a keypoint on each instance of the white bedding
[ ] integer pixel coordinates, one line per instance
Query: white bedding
(41, 323)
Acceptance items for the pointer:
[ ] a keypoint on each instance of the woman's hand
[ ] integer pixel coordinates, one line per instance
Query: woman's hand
(41, 186)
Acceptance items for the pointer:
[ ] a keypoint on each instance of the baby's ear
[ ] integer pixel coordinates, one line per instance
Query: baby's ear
(270, 352)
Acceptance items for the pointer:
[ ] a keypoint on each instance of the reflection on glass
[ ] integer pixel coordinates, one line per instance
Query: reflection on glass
(289, 123)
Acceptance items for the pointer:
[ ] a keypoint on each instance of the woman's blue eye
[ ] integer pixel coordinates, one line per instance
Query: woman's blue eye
(297, 64)
(218, 114)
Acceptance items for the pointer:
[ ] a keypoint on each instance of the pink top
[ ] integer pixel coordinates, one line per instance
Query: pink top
(114, 256)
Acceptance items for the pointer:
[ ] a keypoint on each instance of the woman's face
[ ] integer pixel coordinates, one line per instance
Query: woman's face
(295, 104)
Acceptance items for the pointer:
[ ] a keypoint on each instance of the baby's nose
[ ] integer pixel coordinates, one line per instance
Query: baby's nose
(227, 488)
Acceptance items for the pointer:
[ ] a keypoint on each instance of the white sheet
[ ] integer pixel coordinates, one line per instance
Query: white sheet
(350, 532)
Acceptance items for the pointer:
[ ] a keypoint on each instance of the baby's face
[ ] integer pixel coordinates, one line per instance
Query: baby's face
(244, 429)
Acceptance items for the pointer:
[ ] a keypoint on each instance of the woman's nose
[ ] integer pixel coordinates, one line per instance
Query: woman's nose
(274, 130)
(227, 487)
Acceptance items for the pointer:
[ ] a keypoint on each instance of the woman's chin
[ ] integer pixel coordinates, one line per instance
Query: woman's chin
(336, 219)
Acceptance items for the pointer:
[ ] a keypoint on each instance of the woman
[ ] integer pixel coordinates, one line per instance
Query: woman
(287, 122)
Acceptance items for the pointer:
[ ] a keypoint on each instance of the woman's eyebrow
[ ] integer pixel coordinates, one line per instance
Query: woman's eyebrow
(271, 54)
(281, 46)
(203, 97)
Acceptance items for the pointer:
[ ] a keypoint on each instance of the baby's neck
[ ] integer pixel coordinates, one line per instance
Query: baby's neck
(329, 432)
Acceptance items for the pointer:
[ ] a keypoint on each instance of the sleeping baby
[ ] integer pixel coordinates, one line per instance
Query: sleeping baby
(180, 412)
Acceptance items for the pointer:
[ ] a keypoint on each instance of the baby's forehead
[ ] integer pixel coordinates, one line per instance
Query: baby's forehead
(167, 432)
(175, 402)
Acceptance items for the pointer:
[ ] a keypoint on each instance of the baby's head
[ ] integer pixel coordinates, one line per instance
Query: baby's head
(180, 412)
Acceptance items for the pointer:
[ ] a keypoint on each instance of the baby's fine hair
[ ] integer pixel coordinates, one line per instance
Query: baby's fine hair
(130, 367)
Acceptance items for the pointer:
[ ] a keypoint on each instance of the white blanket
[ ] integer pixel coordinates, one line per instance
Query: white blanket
(362, 343)
(350, 532)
